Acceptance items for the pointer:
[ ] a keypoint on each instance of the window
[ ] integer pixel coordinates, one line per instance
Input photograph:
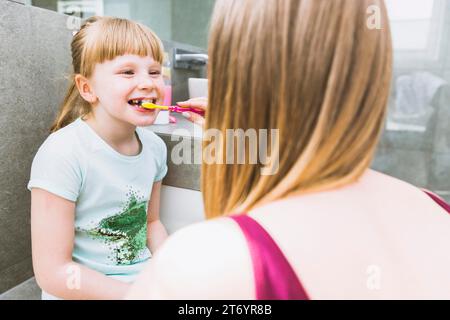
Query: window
(417, 27)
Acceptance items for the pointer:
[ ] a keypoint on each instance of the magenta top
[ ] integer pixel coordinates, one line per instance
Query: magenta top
(274, 277)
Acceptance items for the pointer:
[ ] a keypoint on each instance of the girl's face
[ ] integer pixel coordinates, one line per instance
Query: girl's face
(121, 84)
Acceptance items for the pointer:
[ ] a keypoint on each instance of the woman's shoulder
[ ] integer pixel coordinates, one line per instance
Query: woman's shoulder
(374, 195)
(371, 188)
(398, 191)
(206, 259)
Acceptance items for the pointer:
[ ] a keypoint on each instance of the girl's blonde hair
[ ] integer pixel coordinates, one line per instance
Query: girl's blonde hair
(101, 39)
(314, 69)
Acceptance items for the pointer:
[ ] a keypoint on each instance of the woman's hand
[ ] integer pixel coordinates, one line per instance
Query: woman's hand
(198, 103)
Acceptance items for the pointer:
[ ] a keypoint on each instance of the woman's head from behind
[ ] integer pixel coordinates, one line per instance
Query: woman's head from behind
(315, 70)
(114, 61)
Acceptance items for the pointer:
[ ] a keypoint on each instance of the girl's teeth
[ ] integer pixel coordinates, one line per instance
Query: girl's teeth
(139, 102)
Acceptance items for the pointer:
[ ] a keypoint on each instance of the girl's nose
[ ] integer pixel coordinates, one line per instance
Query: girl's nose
(146, 83)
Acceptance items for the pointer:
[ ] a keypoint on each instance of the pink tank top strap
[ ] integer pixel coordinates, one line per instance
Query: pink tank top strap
(438, 200)
(274, 277)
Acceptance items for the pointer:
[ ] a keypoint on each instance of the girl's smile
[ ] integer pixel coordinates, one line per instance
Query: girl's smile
(136, 103)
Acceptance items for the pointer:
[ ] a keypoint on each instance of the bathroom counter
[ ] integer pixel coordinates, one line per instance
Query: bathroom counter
(183, 127)
(187, 173)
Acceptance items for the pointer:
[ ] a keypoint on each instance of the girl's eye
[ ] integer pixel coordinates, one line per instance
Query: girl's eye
(153, 73)
(128, 72)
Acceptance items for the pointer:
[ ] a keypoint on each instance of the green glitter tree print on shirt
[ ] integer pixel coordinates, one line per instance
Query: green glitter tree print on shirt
(126, 232)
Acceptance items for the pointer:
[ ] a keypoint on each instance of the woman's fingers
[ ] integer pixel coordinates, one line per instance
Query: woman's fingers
(199, 103)
(194, 117)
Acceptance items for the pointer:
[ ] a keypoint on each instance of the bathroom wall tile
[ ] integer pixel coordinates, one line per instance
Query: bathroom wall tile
(190, 21)
(446, 36)
(447, 74)
(156, 14)
(185, 175)
(441, 139)
(440, 173)
(408, 140)
(35, 55)
(15, 237)
(28, 290)
(409, 165)
(15, 274)
(15, 37)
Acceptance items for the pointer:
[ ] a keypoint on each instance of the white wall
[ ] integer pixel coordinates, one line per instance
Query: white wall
(180, 207)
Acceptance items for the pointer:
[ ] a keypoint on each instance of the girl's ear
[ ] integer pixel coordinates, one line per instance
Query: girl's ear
(85, 89)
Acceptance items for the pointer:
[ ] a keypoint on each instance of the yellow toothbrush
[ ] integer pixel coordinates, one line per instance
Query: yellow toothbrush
(149, 105)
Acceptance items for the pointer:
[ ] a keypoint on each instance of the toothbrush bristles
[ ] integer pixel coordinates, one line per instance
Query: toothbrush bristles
(149, 105)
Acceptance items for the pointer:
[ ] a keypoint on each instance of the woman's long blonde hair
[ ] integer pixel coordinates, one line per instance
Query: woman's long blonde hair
(315, 70)
(101, 39)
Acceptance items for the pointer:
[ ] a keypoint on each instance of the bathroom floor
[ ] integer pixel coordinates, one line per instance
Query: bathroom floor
(27, 290)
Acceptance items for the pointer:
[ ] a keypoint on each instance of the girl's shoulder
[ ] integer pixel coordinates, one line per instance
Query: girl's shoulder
(60, 164)
(67, 146)
(64, 140)
(151, 140)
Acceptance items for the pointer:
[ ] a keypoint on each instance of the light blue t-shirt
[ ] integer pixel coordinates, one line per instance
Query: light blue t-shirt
(111, 192)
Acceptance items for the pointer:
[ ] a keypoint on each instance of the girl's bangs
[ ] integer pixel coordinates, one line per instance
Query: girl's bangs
(116, 37)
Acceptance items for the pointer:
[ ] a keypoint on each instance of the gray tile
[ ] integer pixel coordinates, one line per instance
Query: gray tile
(444, 195)
(190, 21)
(27, 290)
(408, 165)
(408, 140)
(446, 35)
(447, 74)
(35, 55)
(441, 139)
(15, 274)
(186, 174)
(440, 172)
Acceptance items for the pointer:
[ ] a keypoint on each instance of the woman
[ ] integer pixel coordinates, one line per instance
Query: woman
(335, 229)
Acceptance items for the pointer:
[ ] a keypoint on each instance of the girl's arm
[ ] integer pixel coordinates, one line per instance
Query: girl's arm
(156, 232)
(52, 235)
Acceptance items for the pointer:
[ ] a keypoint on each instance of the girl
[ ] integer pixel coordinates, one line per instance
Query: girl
(95, 182)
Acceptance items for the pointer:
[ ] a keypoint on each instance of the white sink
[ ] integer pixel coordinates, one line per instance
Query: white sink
(198, 87)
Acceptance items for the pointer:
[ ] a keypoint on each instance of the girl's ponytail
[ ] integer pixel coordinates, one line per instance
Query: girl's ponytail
(72, 107)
